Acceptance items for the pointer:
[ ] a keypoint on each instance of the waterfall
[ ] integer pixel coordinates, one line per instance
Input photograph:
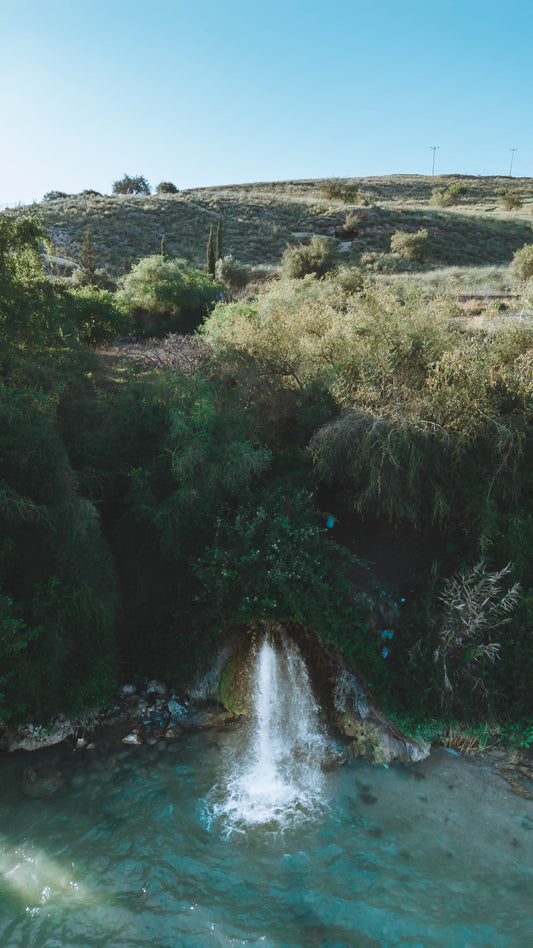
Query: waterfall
(275, 774)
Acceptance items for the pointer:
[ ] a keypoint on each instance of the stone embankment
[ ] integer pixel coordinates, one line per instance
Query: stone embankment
(145, 714)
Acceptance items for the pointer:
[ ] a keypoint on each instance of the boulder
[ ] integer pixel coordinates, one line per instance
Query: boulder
(132, 738)
(156, 688)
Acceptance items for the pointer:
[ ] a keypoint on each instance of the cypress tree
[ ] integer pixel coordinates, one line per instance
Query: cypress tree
(87, 259)
(210, 267)
(219, 240)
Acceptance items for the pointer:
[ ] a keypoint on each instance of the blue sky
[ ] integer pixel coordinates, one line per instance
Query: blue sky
(209, 92)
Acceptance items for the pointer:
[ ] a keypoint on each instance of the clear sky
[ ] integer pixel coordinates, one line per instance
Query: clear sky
(206, 92)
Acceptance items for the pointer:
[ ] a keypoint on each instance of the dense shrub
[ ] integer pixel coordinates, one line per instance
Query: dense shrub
(31, 313)
(445, 197)
(131, 184)
(413, 247)
(350, 227)
(379, 262)
(167, 459)
(164, 294)
(303, 259)
(166, 187)
(228, 270)
(521, 266)
(351, 279)
(338, 189)
(434, 429)
(526, 297)
(271, 558)
(510, 200)
(57, 582)
(362, 347)
(96, 317)
(54, 195)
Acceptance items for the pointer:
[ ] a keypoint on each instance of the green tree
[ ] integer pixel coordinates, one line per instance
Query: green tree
(57, 581)
(31, 314)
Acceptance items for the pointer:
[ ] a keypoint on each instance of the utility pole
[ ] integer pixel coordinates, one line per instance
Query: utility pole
(512, 150)
(434, 148)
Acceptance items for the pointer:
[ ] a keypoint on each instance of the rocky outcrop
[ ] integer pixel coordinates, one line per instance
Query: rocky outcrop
(144, 713)
(370, 733)
(33, 737)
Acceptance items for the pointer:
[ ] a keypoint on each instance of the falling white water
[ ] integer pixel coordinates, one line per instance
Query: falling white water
(276, 775)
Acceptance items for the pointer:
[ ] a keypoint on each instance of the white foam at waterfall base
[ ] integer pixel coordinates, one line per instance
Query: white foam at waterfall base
(275, 775)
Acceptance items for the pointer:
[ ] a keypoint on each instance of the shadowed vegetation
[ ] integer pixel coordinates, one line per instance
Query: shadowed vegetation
(143, 510)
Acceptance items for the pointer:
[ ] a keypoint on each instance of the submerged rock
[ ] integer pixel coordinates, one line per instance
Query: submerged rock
(40, 781)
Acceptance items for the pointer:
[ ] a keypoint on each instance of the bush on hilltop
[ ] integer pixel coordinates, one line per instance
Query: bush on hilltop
(54, 195)
(129, 184)
(338, 189)
(166, 187)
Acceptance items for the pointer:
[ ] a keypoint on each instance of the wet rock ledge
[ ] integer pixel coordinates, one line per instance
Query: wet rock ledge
(143, 714)
(149, 713)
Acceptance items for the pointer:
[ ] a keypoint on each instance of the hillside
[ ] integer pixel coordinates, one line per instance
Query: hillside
(259, 220)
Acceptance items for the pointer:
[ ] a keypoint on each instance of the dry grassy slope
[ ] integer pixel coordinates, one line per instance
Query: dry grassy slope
(260, 219)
